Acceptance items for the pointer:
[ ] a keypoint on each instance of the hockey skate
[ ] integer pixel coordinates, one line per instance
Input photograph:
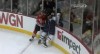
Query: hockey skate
(39, 42)
(31, 39)
(45, 45)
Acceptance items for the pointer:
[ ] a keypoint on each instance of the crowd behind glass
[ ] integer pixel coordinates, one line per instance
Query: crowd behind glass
(79, 17)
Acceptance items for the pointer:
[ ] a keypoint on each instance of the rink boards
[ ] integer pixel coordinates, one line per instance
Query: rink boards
(63, 40)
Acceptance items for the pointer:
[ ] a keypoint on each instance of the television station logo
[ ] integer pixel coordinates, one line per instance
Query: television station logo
(79, 5)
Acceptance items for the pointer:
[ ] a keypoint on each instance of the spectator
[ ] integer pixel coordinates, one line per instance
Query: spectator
(59, 19)
(48, 6)
(87, 20)
(72, 17)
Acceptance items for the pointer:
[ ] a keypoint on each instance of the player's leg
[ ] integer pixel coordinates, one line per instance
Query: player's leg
(37, 28)
(39, 32)
(43, 34)
(50, 38)
(45, 41)
(43, 38)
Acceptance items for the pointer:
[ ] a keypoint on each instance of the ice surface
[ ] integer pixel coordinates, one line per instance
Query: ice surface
(14, 43)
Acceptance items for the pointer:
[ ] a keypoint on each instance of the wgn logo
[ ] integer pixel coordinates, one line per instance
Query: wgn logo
(80, 5)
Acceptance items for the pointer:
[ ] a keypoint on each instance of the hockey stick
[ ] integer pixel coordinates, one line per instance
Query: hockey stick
(25, 48)
(49, 38)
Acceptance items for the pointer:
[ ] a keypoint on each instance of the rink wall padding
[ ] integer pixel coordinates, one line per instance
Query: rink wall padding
(63, 40)
(16, 29)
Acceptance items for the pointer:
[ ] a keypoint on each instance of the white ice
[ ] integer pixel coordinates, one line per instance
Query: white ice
(12, 42)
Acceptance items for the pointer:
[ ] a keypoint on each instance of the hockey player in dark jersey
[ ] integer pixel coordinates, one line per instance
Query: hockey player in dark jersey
(41, 19)
(48, 31)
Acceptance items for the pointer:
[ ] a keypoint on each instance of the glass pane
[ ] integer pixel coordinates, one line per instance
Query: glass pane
(63, 7)
(99, 15)
(7, 5)
(96, 17)
(76, 17)
(22, 7)
(99, 21)
(88, 16)
(97, 44)
(34, 6)
(1, 4)
(15, 4)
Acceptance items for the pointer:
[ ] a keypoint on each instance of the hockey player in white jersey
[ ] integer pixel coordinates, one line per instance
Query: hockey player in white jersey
(48, 31)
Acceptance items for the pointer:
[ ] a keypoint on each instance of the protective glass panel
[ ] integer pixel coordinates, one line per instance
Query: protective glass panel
(1, 4)
(63, 7)
(15, 4)
(96, 42)
(76, 16)
(6, 4)
(99, 15)
(88, 16)
(22, 7)
(96, 17)
(34, 6)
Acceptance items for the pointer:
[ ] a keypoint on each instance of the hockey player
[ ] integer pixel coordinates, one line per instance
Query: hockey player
(48, 31)
(41, 19)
